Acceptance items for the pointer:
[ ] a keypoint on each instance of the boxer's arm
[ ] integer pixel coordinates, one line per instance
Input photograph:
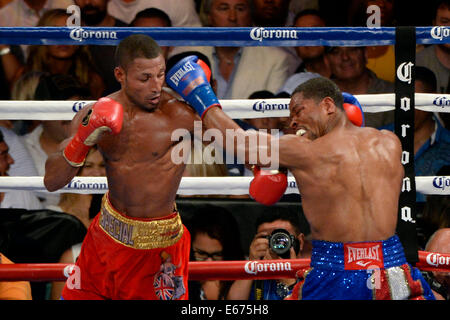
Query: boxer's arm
(296, 151)
(88, 127)
(289, 151)
(249, 146)
(189, 78)
(58, 172)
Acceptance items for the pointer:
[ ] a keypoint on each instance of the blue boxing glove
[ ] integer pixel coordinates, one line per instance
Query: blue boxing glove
(353, 109)
(189, 79)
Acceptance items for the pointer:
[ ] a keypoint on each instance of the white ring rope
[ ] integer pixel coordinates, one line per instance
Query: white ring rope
(245, 108)
(235, 108)
(432, 185)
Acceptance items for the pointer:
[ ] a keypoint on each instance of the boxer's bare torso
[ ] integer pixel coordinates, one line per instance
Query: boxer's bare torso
(349, 177)
(350, 183)
(142, 178)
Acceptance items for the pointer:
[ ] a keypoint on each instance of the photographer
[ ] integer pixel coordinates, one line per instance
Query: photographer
(276, 230)
(439, 281)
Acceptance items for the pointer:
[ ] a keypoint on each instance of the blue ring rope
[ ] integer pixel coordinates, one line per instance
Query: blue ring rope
(208, 36)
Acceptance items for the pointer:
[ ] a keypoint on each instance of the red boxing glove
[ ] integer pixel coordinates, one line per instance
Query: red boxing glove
(267, 187)
(105, 115)
(205, 68)
(353, 109)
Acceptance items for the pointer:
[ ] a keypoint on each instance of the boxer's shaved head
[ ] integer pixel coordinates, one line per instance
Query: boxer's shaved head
(136, 46)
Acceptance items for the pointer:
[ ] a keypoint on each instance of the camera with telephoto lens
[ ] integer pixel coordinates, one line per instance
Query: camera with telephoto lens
(281, 241)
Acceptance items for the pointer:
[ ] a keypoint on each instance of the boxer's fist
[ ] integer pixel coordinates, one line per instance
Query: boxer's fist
(267, 187)
(190, 79)
(106, 115)
(353, 109)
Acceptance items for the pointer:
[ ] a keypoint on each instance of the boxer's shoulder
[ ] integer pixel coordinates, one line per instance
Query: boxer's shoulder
(116, 96)
(174, 107)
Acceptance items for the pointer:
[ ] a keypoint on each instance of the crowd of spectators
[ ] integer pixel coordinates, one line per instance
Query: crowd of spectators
(69, 72)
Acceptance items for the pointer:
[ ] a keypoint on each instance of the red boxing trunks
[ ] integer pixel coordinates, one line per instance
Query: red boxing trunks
(132, 258)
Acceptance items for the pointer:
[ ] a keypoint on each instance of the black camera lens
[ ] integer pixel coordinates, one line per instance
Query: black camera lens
(280, 242)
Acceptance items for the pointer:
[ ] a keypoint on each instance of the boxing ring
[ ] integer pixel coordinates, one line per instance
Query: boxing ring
(224, 270)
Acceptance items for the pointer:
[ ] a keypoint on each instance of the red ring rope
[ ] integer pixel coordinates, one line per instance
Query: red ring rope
(214, 270)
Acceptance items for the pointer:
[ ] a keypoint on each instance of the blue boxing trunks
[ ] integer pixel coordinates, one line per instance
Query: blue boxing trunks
(375, 270)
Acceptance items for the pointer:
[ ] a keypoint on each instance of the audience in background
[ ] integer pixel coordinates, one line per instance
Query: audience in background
(95, 14)
(23, 163)
(350, 73)
(380, 59)
(14, 290)
(260, 249)
(181, 13)
(437, 57)
(214, 237)
(431, 139)
(65, 59)
(38, 236)
(26, 13)
(11, 65)
(435, 215)
(153, 17)
(312, 57)
(297, 6)
(313, 60)
(46, 137)
(25, 89)
(240, 71)
(274, 13)
(439, 281)
(14, 198)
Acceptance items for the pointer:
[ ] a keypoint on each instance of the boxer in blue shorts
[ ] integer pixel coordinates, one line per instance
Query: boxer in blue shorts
(349, 177)
(375, 270)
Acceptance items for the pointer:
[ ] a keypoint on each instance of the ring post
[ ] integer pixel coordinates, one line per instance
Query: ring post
(405, 59)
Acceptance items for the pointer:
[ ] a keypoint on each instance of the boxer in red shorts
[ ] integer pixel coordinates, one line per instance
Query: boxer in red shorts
(137, 247)
(117, 244)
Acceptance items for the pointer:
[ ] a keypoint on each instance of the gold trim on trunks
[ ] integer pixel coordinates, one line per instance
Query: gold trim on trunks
(140, 234)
